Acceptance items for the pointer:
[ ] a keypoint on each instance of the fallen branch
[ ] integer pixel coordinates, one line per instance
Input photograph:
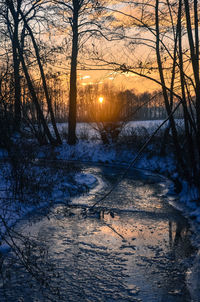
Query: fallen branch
(135, 159)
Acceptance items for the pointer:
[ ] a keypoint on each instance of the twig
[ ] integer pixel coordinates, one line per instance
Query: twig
(135, 159)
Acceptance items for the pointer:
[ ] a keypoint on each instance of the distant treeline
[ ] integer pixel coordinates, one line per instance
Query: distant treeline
(123, 104)
(127, 104)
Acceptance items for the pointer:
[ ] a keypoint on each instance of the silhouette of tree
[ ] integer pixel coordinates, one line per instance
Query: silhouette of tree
(84, 18)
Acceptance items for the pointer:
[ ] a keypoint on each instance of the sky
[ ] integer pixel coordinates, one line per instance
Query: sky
(122, 81)
(117, 51)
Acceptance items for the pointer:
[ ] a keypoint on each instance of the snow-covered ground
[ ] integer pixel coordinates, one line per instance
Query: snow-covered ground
(90, 149)
(86, 130)
(96, 152)
(48, 186)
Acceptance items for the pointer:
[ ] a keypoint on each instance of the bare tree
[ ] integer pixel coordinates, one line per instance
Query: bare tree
(44, 83)
(13, 32)
(83, 17)
(170, 63)
(17, 16)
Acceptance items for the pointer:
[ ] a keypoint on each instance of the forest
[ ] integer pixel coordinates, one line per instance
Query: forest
(89, 91)
(44, 45)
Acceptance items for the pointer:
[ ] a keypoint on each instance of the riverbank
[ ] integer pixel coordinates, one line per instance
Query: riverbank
(24, 192)
(137, 249)
(58, 176)
(96, 152)
(89, 148)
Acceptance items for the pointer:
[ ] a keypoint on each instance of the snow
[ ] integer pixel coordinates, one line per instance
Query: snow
(90, 149)
(189, 195)
(193, 279)
(60, 190)
(86, 179)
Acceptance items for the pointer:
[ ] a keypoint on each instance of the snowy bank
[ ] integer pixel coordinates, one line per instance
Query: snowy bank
(90, 149)
(60, 190)
(96, 152)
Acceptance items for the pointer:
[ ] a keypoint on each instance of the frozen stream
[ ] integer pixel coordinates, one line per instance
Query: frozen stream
(135, 248)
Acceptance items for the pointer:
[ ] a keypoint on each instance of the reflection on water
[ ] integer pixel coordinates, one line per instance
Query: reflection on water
(132, 248)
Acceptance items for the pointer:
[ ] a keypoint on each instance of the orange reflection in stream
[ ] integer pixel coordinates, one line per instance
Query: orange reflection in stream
(134, 229)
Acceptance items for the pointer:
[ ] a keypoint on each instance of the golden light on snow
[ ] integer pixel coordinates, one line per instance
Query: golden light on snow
(101, 99)
(85, 77)
(87, 84)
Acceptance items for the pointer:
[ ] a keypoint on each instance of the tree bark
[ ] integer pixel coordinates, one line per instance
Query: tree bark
(189, 137)
(17, 105)
(194, 52)
(34, 98)
(16, 67)
(48, 99)
(73, 78)
(178, 152)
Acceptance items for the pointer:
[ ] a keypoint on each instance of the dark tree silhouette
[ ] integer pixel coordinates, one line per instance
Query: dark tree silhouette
(83, 17)
(174, 66)
(18, 15)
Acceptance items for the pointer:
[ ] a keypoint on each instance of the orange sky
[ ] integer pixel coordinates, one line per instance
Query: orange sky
(123, 81)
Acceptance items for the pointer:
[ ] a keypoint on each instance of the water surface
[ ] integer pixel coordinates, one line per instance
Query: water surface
(133, 247)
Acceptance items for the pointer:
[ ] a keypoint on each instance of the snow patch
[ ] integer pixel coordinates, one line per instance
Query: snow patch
(88, 180)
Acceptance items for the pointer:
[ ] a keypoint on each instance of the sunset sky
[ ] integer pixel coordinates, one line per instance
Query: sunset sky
(122, 81)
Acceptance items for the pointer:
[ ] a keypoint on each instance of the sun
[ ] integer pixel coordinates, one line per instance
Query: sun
(101, 99)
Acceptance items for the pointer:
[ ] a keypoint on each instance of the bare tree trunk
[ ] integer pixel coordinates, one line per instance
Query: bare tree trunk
(34, 97)
(15, 14)
(167, 130)
(194, 52)
(178, 153)
(48, 99)
(16, 65)
(73, 79)
(188, 134)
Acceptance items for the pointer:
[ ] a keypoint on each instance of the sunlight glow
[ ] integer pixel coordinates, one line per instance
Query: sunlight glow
(85, 77)
(87, 84)
(101, 99)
